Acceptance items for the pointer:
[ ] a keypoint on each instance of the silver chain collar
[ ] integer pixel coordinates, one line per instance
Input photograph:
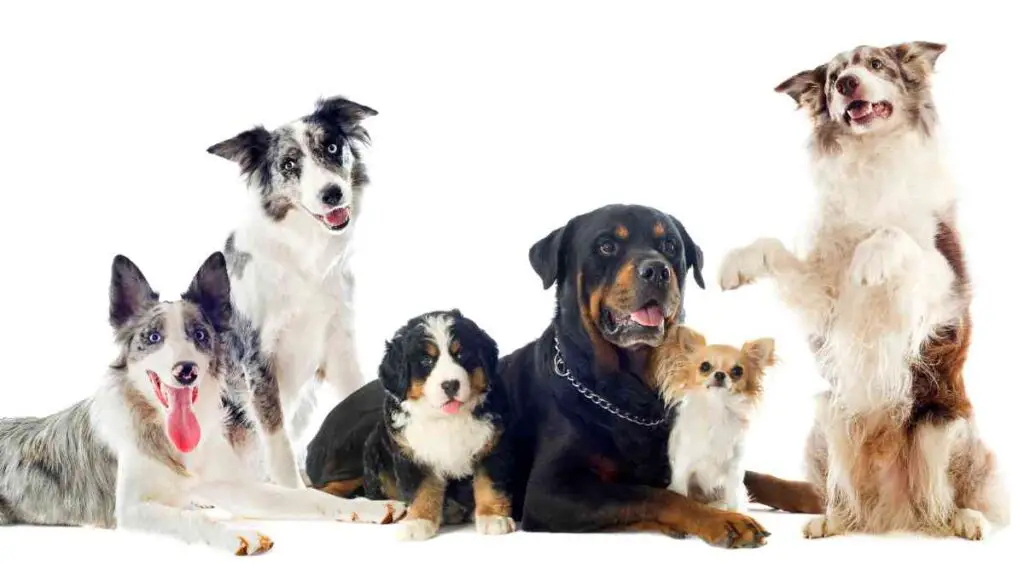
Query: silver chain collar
(562, 370)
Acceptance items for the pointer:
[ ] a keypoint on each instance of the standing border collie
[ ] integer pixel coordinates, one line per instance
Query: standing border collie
(439, 442)
(289, 263)
(170, 430)
(885, 295)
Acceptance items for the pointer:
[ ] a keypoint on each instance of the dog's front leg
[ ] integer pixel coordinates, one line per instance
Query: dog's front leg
(491, 493)
(580, 501)
(190, 526)
(342, 370)
(259, 501)
(884, 256)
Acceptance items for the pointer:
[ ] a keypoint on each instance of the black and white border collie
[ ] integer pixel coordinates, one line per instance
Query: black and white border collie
(438, 443)
(289, 264)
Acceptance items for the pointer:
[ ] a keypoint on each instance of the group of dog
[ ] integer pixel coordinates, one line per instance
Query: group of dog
(618, 417)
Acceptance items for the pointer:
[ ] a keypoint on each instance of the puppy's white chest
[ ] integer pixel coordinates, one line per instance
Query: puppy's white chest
(450, 444)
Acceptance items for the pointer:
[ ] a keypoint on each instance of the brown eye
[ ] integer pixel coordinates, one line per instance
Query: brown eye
(736, 372)
(608, 248)
(705, 367)
(876, 63)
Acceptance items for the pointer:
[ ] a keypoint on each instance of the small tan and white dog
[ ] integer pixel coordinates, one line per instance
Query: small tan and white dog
(884, 293)
(714, 391)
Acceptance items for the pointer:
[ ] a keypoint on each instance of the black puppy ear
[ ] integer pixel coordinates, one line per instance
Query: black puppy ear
(247, 149)
(211, 291)
(547, 257)
(130, 292)
(393, 367)
(692, 252)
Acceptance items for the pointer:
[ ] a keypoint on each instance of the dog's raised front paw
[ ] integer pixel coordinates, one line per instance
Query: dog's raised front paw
(250, 543)
(416, 529)
(494, 525)
(882, 257)
(970, 524)
(745, 265)
(820, 527)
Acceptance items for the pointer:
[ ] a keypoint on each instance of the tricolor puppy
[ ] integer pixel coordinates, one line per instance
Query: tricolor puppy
(884, 293)
(714, 391)
(289, 263)
(438, 443)
(170, 430)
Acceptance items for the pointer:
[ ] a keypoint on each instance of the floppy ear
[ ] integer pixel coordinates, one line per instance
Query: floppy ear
(760, 353)
(692, 252)
(343, 112)
(130, 292)
(807, 88)
(248, 149)
(211, 291)
(547, 257)
(917, 52)
(393, 370)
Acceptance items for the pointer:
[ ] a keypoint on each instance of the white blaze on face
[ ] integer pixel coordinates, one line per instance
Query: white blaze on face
(446, 369)
(314, 177)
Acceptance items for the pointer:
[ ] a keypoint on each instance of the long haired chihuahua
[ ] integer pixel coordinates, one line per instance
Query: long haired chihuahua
(714, 391)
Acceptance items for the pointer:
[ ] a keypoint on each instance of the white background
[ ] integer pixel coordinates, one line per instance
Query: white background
(497, 124)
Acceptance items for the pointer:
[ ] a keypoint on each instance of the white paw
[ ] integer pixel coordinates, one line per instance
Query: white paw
(414, 530)
(495, 525)
(369, 511)
(745, 265)
(819, 527)
(970, 524)
(245, 542)
(882, 257)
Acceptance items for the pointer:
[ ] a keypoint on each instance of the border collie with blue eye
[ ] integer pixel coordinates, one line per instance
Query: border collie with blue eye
(438, 444)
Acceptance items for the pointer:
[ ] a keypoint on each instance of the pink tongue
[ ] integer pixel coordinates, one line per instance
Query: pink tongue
(336, 217)
(451, 406)
(182, 425)
(861, 111)
(650, 316)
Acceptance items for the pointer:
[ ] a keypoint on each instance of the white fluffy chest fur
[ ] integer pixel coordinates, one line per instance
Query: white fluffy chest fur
(449, 445)
(706, 442)
(873, 253)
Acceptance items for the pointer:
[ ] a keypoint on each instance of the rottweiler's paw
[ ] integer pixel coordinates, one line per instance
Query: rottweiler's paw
(416, 529)
(734, 530)
(495, 525)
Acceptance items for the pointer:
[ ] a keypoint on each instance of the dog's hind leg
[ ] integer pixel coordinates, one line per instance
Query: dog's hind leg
(270, 502)
(191, 526)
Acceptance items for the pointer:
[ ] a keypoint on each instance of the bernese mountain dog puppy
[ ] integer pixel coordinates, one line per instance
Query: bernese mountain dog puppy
(438, 443)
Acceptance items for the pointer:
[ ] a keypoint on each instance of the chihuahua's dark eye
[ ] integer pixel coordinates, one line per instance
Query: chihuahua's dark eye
(736, 372)
(154, 337)
(705, 367)
(876, 63)
(608, 248)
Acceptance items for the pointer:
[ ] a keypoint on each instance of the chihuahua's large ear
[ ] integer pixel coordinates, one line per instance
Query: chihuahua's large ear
(807, 89)
(130, 292)
(211, 291)
(760, 353)
(248, 149)
(692, 253)
(547, 256)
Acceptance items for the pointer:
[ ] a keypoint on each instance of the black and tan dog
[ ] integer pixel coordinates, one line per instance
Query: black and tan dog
(588, 432)
(438, 442)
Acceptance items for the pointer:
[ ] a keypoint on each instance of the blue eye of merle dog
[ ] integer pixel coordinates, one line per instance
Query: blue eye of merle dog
(200, 335)
(288, 166)
(332, 149)
(154, 337)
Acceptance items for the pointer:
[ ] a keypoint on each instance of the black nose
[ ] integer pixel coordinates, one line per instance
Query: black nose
(450, 387)
(185, 372)
(719, 378)
(655, 272)
(847, 85)
(331, 195)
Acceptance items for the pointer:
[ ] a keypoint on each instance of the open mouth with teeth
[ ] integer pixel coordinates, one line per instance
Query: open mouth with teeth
(862, 112)
(646, 322)
(336, 219)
